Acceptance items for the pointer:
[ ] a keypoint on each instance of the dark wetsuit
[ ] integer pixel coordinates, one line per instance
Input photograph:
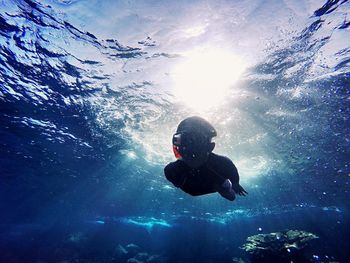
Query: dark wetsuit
(203, 180)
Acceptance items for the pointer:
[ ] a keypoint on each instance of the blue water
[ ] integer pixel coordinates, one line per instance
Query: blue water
(88, 109)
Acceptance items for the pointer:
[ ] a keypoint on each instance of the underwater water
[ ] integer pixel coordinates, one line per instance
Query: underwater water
(92, 91)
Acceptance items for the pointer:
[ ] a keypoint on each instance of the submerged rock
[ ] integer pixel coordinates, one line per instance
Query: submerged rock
(120, 251)
(278, 247)
(238, 260)
(145, 257)
(132, 249)
(132, 253)
(142, 256)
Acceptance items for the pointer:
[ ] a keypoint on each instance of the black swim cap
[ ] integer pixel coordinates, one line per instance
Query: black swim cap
(192, 141)
(198, 125)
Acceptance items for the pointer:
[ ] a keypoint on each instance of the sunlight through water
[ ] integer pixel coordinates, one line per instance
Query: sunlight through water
(92, 92)
(204, 77)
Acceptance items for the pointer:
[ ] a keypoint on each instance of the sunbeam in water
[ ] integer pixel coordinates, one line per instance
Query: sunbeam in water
(203, 78)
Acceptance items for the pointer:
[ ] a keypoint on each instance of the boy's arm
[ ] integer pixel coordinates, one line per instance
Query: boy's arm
(174, 174)
(226, 191)
(229, 190)
(234, 178)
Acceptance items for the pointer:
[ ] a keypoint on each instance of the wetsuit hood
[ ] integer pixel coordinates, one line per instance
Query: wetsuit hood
(192, 141)
(196, 124)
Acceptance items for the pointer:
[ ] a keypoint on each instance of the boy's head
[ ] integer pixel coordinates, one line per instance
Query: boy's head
(192, 142)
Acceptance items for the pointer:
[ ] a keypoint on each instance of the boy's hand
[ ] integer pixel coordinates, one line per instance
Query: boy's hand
(226, 190)
(239, 189)
(227, 184)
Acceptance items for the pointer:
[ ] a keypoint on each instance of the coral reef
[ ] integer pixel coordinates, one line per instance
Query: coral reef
(283, 246)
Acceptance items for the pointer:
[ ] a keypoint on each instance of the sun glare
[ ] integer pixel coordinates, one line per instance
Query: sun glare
(203, 78)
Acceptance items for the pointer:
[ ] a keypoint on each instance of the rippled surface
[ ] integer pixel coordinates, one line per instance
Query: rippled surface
(89, 100)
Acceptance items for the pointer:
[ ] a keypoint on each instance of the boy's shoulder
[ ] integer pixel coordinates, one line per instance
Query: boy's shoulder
(178, 164)
(220, 159)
